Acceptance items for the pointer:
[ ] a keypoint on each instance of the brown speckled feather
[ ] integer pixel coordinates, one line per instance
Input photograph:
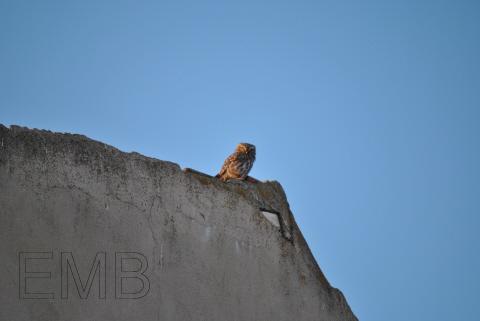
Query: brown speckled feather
(238, 164)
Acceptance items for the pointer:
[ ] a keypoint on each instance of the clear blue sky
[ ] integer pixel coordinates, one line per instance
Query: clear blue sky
(367, 112)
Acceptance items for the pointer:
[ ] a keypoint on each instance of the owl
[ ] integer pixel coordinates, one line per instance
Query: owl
(237, 165)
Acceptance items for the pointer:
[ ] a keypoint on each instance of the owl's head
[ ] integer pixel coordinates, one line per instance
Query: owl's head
(246, 148)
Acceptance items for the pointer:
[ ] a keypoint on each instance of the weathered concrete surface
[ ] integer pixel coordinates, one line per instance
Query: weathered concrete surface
(211, 253)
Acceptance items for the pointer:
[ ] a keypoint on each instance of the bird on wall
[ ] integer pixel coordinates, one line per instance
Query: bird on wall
(238, 164)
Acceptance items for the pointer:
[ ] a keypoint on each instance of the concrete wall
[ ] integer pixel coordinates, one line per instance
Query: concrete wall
(88, 232)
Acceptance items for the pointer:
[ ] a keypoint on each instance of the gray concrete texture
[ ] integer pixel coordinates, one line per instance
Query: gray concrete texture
(92, 233)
